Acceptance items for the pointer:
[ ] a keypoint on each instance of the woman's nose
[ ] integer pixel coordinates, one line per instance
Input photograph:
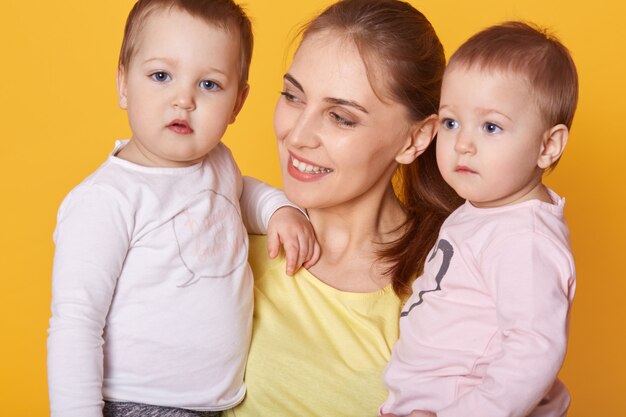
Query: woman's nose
(305, 131)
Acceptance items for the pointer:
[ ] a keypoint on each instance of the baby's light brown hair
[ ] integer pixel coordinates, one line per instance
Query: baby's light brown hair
(224, 14)
(528, 51)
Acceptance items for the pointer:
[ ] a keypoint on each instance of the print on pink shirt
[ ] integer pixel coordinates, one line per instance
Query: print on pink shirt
(448, 252)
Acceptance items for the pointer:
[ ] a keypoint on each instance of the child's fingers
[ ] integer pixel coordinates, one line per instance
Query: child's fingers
(310, 243)
(292, 249)
(419, 413)
(273, 245)
(315, 256)
(303, 253)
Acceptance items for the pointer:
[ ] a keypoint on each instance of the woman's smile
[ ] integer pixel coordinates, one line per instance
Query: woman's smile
(303, 170)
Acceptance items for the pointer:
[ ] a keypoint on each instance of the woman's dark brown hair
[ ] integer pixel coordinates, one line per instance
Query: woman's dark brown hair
(404, 56)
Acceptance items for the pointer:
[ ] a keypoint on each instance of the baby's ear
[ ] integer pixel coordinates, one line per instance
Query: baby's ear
(241, 99)
(552, 145)
(122, 88)
(420, 136)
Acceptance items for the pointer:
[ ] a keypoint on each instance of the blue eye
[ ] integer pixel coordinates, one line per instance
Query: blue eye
(492, 128)
(450, 123)
(209, 85)
(160, 76)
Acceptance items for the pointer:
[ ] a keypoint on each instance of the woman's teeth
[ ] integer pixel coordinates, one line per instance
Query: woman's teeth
(308, 169)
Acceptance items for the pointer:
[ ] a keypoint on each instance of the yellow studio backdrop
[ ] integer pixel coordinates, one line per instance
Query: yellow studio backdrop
(60, 117)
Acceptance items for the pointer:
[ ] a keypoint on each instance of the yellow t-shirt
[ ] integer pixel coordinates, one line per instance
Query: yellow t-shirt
(316, 351)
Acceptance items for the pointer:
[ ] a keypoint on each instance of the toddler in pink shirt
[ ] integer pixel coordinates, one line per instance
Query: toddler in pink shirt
(485, 331)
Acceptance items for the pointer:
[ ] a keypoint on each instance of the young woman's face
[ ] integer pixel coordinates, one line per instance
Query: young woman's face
(337, 140)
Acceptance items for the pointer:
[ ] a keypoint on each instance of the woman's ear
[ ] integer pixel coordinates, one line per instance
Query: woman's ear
(552, 145)
(122, 88)
(420, 136)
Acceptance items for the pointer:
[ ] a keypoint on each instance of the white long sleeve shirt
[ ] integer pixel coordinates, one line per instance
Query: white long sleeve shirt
(152, 293)
(485, 331)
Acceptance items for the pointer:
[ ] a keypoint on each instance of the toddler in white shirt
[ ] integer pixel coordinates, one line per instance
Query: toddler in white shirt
(152, 293)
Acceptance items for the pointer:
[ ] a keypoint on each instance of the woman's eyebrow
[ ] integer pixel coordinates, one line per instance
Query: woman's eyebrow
(332, 100)
(344, 102)
(293, 81)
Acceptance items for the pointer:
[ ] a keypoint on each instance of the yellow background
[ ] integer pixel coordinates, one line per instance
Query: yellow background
(59, 117)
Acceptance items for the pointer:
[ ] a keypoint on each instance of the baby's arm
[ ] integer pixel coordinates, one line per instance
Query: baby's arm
(288, 226)
(91, 243)
(266, 210)
(532, 281)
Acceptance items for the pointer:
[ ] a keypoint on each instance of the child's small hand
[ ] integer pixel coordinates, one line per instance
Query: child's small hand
(419, 413)
(289, 227)
(414, 413)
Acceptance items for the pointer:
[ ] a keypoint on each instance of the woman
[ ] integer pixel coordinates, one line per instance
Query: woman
(358, 102)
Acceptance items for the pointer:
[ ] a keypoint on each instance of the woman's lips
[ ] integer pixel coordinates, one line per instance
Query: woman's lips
(180, 126)
(304, 170)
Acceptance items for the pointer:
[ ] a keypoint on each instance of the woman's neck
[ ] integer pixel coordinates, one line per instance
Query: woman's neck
(351, 235)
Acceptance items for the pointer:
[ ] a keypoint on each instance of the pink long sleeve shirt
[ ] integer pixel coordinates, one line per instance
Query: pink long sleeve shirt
(485, 331)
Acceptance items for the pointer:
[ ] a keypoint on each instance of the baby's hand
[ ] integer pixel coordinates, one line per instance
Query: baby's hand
(289, 227)
(419, 413)
(414, 413)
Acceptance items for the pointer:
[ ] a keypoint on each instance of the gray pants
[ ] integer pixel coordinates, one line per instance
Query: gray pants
(126, 409)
